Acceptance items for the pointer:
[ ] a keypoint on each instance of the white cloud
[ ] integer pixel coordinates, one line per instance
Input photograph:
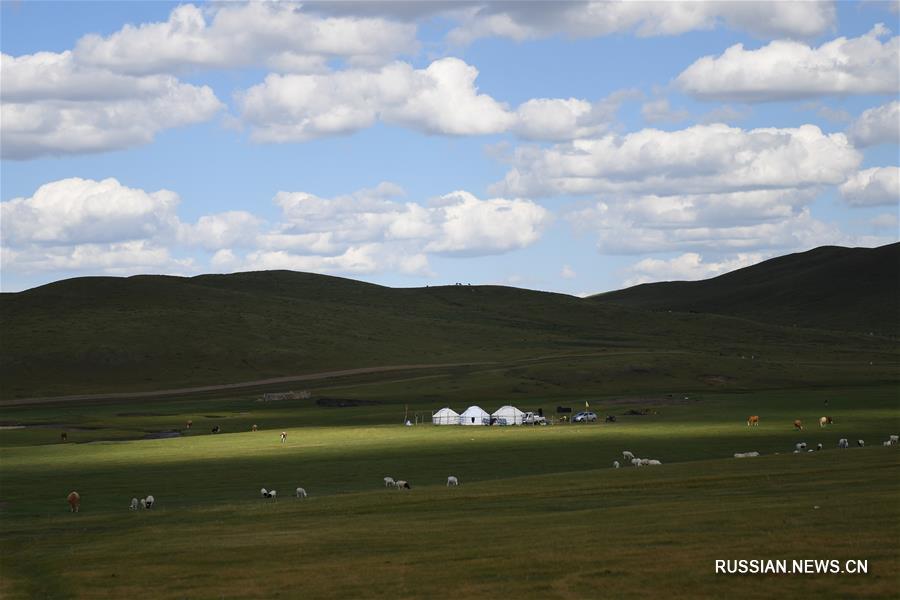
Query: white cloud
(785, 70)
(700, 159)
(879, 125)
(531, 20)
(568, 272)
(888, 221)
(439, 99)
(657, 111)
(52, 105)
(873, 187)
(223, 230)
(275, 34)
(689, 266)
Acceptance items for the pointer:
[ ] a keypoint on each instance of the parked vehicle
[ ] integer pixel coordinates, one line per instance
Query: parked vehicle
(585, 417)
(531, 418)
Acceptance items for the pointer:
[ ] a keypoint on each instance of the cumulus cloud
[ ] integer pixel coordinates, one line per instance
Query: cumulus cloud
(53, 105)
(699, 159)
(786, 70)
(879, 125)
(658, 111)
(279, 35)
(532, 20)
(689, 266)
(439, 99)
(873, 187)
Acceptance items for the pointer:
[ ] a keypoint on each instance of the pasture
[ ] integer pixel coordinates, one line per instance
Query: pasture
(539, 513)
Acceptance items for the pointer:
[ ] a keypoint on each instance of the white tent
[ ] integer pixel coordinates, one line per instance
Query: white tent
(474, 415)
(445, 416)
(512, 415)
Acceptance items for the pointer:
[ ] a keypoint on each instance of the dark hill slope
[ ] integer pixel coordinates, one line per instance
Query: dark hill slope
(849, 289)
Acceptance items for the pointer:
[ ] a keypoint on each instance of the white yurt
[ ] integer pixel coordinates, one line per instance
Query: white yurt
(445, 416)
(474, 415)
(512, 415)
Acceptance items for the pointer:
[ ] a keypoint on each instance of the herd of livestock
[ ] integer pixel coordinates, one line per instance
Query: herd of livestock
(74, 498)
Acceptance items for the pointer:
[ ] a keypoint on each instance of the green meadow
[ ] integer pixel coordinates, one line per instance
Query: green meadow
(540, 512)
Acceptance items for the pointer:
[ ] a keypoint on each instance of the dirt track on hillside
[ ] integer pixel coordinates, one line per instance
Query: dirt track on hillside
(230, 386)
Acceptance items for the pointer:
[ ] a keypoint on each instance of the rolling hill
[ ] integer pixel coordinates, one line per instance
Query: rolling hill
(849, 289)
(106, 334)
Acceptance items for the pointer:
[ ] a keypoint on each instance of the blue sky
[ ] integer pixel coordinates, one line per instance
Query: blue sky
(576, 147)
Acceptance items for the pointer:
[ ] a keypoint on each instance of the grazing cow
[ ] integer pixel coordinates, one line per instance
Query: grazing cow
(389, 482)
(64, 437)
(283, 436)
(753, 421)
(403, 485)
(189, 424)
(134, 504)
(300, 493)
(74, 500)
(452, 480)
(216, 429)
(254, 428)
(823, 421)
(843, 443)
(798, 425)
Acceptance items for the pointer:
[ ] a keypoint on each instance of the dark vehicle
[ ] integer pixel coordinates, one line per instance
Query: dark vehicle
(585, 417)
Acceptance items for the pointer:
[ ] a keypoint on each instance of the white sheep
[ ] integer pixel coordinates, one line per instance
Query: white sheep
(628, 455)
(273, 494)
(615, 464)
(636, 462)
(452, 480)
(264, 493)
(403, 485)
(389, 482)
(800, 446)
(895, 439)
(134, 504)
(819, 447)
(300, 493)
(653, 462)
(645, 462)
(887, 443)
(148, 502)
(143, 503)
(861, 443)
(843, 443)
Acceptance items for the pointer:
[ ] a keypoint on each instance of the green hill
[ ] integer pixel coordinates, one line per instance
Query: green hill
(850, 289)
(105, 334)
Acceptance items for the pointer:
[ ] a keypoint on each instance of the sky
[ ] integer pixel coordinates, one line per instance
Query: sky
(576, 147)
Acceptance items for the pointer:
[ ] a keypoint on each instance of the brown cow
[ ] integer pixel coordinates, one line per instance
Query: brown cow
(74, 501)
(754, 421)
(798, 424)
(823, 421)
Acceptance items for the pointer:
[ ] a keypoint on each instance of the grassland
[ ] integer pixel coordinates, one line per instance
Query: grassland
(540, 513)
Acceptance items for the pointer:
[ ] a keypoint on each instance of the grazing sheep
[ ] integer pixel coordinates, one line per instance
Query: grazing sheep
(818, 447)
(628, 455)
(798, 425)
(283, 436)
(753, 421)
(800, 446)
(254, 427)
(64, 437)
(823, 421)
(645, 462)
(895, 439)
(216, 429)
(653, 462)
(636, 462)
(74, 500)
(389, 482)
(149, 500)
(300, 493)
(134, 504)
(273, 494)
(861, 443)
(887, 443)
(403, 485)
(143, 503)
(615, 464)
(843, 443)
(452, 480)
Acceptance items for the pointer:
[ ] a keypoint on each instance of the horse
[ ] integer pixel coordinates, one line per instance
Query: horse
(754, 421)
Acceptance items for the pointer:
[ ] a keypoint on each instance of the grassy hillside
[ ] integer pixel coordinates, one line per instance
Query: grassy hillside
(851, 289)
(103, 334)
